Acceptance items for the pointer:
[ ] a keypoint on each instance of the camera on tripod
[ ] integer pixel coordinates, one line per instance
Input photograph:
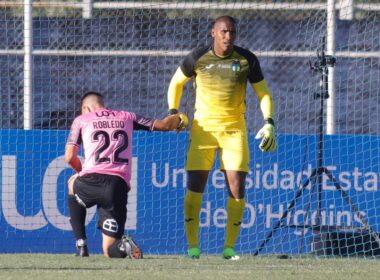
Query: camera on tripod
(330, 60)
(323, 62)
(328, 240)
(322, 65)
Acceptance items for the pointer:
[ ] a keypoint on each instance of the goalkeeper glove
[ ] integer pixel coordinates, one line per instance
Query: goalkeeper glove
(183, 121)
(267, 133)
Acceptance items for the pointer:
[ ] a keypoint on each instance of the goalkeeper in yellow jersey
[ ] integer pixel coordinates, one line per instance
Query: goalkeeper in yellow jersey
(221, 72)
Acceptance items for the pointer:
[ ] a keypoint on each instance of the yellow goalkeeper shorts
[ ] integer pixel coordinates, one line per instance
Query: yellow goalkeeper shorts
(232, 146)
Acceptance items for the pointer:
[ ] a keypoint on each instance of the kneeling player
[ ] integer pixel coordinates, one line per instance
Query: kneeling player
(103, 179)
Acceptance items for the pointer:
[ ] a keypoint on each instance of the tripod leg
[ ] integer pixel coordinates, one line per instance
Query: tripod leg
(300, 191)
(374, 234)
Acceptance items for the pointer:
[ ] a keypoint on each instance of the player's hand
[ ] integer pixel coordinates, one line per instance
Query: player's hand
(70, 183)
(267, 134)
(72, 178)
(183, 122)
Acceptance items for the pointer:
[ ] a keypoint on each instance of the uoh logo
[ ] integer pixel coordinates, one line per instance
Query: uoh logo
(50, 212)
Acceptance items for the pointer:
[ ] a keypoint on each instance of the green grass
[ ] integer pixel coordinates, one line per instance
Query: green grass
(45, 266)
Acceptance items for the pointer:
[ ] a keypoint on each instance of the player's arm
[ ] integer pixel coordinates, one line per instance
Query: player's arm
(265, 99)
(267, 133)
(73, 143)
(171, 122)
(71, 157)
(175, 90)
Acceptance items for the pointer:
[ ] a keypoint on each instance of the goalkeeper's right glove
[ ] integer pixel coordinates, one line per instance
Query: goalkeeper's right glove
(183, 120)
(267, 133)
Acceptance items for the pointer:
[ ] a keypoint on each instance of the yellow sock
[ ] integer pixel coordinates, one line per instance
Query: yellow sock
(235, 210)
(192, 207)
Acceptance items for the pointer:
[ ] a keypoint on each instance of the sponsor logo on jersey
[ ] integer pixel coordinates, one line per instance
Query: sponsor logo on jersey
(207, 67)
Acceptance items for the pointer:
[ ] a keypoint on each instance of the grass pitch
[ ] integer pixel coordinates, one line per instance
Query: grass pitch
(46, 266)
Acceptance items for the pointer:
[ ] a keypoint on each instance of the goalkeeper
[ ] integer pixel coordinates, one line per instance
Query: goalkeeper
(220, 72)
(103, 179)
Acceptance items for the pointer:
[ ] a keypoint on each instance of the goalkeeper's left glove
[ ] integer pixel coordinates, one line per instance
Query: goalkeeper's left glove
(267, 133)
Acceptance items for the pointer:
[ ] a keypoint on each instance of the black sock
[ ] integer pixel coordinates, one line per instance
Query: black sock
(77, 218)
(115, 252)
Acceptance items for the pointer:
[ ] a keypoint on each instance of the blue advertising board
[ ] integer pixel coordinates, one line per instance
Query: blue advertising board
(34, 216)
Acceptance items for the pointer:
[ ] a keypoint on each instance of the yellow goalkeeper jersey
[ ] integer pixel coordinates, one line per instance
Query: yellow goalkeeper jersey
(220, 85)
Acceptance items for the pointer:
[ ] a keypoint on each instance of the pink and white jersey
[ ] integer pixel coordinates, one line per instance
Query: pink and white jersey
(106, 136)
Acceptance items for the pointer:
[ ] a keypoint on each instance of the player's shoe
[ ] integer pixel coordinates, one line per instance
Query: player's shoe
(82, 250)
(193, 253)
(230, 254)
(131, 249)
